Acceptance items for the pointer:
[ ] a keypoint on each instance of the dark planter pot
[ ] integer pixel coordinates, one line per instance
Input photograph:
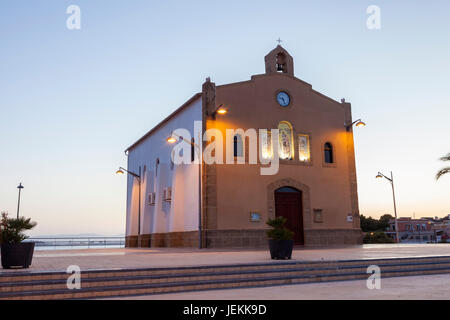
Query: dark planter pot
(281, 249)
(17, 255)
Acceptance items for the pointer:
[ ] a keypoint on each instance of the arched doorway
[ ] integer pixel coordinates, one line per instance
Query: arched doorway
(288, 204)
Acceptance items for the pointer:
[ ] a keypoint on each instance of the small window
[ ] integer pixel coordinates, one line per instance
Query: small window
(237, 146)
(156, 167)
(328, 152)
(192, 150)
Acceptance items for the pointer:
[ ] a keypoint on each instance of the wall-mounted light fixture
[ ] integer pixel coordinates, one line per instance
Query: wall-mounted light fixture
(358, 123)
(220, 110)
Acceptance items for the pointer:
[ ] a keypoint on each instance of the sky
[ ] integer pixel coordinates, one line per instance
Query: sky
(71, 101)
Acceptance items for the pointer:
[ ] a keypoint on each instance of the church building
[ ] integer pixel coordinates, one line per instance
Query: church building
(222, 197)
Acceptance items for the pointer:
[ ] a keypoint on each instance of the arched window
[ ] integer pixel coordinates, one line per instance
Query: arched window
(156, 167)
(328, 153)
(192, 150)
(238, 146)
(287, 190)
(286, 140)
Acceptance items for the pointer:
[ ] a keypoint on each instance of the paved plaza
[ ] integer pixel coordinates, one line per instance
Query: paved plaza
(432, 287)
(93, 259)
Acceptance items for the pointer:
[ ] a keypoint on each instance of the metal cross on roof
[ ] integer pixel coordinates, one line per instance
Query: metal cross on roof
(279, 41)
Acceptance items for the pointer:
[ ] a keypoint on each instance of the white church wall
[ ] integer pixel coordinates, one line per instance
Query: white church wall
(148, 209)
(181, 213)
(162, 208)
(185, 180)
(132, 206)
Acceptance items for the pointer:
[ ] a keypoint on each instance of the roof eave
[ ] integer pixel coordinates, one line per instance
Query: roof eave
(159, 125)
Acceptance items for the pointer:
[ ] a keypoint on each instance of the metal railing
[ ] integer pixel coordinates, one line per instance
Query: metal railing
(78, 242)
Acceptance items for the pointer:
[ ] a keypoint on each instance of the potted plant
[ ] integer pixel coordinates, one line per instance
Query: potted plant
(281, 240)
(15, 252)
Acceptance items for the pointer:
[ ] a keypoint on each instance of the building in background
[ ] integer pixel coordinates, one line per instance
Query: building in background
(441, 228)
(421, 230)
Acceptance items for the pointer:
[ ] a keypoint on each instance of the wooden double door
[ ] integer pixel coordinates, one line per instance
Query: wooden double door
(288, 204)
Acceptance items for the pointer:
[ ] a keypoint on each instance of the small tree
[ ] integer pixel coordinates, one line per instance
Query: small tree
(368, 224)
(383, 222)
(11, 230)
(377, 237)
(278, 231)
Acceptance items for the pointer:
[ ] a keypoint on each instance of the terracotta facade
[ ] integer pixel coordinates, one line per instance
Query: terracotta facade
(232, 192)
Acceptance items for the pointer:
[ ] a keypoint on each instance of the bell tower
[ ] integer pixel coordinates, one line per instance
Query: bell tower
(279, 61)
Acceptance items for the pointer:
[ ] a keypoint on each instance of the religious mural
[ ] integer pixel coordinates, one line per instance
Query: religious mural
(266, 144)
(304, 152)
(286, 140)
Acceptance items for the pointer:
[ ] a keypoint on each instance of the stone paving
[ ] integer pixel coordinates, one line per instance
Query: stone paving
(92, 259)
(433, 287)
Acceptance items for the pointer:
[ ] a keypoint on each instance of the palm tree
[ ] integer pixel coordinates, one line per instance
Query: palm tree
(11, 230)
(445, 169)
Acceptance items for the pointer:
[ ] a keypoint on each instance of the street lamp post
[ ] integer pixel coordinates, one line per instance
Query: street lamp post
(138, 177)
(20, 187)
(391, 180)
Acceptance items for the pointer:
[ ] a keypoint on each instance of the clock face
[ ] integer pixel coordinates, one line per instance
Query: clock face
(283, 99)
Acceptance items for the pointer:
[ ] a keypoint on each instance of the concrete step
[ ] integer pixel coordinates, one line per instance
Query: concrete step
(108, 283)
(88, 274)
(91, 282)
